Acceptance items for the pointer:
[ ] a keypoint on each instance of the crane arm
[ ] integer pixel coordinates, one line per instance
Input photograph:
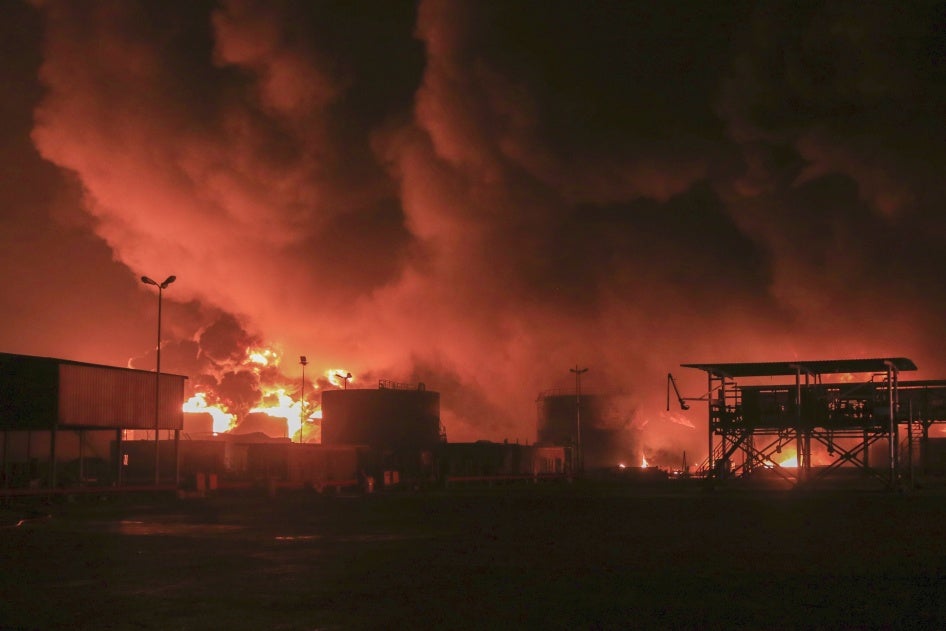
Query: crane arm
(671, 382)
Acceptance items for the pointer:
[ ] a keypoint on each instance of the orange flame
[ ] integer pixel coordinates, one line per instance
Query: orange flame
(262, 356)
(284, 407)
(222, 421)
(789, 459)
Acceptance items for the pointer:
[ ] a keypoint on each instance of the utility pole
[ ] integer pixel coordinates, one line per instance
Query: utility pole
(157, 374)
(303, 361)
(579, 455)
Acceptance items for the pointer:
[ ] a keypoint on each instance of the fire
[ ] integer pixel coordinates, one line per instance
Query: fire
(262, 356)
(285, 407)
(789, 460)
(644, 463)
(222, 420)
(274, 401)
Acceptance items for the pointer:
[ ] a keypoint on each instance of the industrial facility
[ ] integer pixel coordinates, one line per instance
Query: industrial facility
(70, 425)
(833, 415)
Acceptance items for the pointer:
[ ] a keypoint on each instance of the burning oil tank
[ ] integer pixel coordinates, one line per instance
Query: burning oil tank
(606, 439)
(397, 417)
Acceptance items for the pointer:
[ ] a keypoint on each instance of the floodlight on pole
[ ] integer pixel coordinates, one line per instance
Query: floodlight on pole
(578, 372)
(345, 378)
(304, 362)
(157, 372)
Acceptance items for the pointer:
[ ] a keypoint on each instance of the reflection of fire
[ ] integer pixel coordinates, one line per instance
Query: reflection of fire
(222, 421)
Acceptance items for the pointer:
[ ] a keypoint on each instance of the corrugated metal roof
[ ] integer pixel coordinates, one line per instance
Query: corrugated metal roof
(44, 392)
(814, 367)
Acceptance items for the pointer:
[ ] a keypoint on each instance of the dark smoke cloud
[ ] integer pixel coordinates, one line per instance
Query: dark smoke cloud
(480, 195)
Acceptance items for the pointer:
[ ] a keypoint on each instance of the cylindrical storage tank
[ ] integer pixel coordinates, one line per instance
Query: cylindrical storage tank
(605, 441)
(386, 418)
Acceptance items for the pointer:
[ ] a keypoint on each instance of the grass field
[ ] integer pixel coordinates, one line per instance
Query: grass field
(518, 557)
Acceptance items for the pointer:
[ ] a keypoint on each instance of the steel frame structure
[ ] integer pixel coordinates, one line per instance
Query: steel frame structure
(748, 425)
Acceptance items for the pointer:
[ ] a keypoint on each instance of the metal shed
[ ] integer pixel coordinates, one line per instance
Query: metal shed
(65, 403)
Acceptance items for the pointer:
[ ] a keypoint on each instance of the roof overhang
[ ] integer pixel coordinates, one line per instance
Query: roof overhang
(816, 367)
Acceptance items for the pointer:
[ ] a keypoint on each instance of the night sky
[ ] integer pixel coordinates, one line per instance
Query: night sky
(476, 195)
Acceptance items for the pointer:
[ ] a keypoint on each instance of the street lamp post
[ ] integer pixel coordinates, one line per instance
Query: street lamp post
(578, 372)
(344, 378)
(304, 362)
(157, 373)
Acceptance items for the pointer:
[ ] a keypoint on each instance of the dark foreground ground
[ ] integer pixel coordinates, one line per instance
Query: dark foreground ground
(527, 557)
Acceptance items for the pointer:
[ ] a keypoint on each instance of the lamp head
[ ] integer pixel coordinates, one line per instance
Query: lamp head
(168, 281)
(148, 281)
(303, 360)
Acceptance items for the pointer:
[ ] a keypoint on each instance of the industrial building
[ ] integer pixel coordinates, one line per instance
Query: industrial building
(398, 422)
(831, 414)
(63, 422)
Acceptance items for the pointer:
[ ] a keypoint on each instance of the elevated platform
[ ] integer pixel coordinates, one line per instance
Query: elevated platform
(847, 408)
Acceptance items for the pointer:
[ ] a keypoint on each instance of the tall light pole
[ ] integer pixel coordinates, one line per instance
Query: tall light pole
(304, 362)
(578, 372)
(157, 373)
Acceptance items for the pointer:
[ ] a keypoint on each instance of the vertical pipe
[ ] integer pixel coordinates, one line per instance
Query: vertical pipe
(799, 440)
(580, 455)
(581, 464)
(710, 464)
(891, 427)
(302, 404)
(808, 433)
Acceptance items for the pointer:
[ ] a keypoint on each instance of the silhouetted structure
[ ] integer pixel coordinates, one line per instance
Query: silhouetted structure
(750, 423)
(605, 440)
(56, 411)
(398, 422)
